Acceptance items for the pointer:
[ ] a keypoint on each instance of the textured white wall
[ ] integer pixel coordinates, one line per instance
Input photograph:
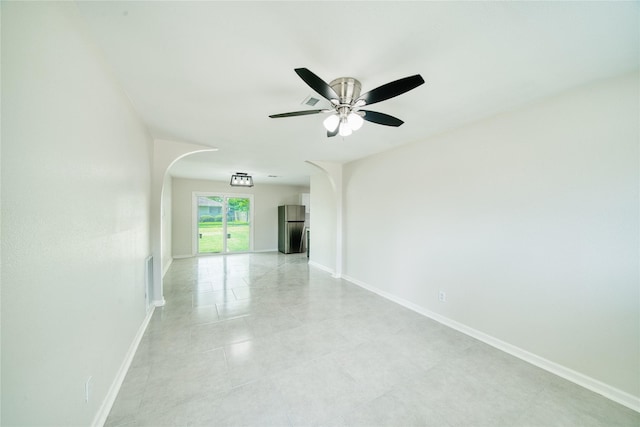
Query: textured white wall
(75, 218)
(266, 199)
(529, 221)
(323, 222)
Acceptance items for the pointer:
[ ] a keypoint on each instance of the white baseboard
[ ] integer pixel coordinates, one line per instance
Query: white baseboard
(612, 393)
(165, 267)
(322, 267)
(110, 398)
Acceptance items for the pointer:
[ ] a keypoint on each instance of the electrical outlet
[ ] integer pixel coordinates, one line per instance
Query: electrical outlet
(87, 389)
(442, 296)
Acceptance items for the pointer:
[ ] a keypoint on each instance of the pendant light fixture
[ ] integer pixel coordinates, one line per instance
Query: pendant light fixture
(241, 179)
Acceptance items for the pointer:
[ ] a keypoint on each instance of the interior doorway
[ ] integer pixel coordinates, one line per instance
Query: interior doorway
(223, 223)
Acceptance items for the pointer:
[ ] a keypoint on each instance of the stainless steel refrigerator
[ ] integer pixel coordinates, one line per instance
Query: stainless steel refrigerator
(290, 228)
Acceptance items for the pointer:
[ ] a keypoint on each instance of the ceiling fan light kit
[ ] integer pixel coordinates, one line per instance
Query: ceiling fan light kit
(346, 101)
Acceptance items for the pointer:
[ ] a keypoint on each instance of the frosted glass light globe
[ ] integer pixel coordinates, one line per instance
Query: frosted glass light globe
(345, 129)
(331, 122)
(355, 121)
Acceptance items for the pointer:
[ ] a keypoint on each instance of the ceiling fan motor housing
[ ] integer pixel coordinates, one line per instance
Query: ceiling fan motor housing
(347, 88)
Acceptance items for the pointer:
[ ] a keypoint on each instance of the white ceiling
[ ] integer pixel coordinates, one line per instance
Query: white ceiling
(211, 72)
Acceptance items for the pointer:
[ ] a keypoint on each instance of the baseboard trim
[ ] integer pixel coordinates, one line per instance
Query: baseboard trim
(322, 267)
(165, 267)
(110, 398)
(612, 393)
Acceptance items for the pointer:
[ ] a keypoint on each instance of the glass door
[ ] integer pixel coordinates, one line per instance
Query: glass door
(210, 215)
(238, 225)
(223, 223)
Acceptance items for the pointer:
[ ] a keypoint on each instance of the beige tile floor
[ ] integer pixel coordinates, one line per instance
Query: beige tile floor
(266, 340)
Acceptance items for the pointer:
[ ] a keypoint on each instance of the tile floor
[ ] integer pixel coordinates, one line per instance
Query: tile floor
(265, 340)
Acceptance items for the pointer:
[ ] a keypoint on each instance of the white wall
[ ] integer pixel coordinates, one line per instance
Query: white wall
(266, 200)
(75, 218)
(323, 223)
(529, 221)
(166, 222)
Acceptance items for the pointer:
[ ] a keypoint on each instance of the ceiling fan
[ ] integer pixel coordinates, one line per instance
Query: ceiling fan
(346, 101)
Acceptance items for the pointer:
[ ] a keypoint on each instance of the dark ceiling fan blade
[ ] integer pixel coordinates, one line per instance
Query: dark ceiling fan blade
(317, 84)
(296, 113)
(332, 133)
(381, 118)
(392, 89)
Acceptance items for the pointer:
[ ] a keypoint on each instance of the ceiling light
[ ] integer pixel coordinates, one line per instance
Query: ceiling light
(345, 128)
(355, 121)
(241, 179)
(331, 122)
(345, 121)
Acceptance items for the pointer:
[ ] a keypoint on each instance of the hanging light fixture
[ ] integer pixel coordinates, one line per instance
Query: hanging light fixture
(241, 179)
(346, 119)
(355, 120)
(331, 123)
(345, 122)
(345, 128)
